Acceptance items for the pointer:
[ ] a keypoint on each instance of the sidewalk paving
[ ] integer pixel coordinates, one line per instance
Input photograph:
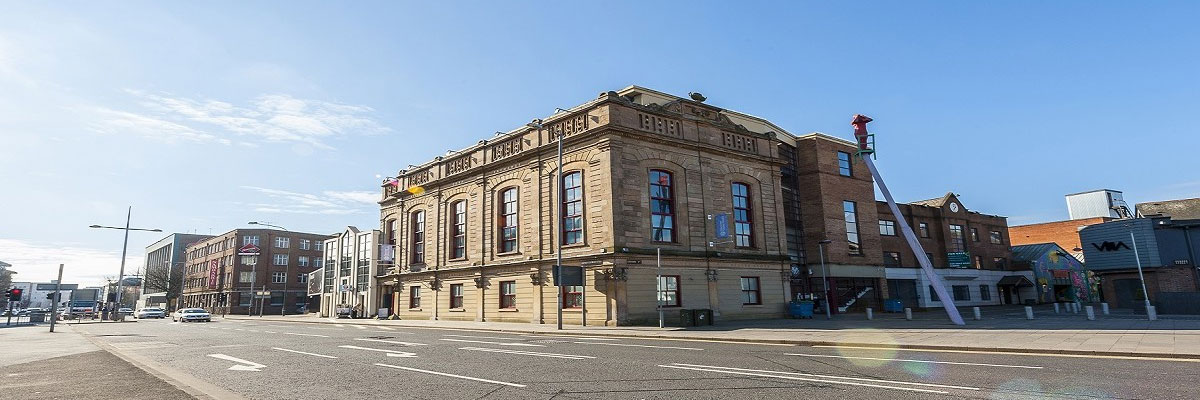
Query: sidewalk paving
(1048, 333)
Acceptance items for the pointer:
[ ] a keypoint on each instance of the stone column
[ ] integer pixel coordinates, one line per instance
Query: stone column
(537, 279)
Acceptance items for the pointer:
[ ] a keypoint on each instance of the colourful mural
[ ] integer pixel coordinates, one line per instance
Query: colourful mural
(1059, 276)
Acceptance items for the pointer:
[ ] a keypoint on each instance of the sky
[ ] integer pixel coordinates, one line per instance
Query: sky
(202, 116)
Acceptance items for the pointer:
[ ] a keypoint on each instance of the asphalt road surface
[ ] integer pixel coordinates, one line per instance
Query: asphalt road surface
(293, 360)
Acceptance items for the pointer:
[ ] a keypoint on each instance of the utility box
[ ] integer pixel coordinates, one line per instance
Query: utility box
(687, 317)
(703, 316)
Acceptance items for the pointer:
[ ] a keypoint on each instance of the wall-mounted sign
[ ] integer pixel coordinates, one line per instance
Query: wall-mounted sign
(1110, 246)
(1181, 262)
(721, 224)
(959, 259)
(633, 261)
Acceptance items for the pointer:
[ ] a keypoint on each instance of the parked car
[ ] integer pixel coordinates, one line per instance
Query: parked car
(151, 312)
(191, 314)
(125, 310)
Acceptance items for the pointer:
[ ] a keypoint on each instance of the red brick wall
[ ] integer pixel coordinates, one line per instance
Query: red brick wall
(1159, 279)
(1062, 233)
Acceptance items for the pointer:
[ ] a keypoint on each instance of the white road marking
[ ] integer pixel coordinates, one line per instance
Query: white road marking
(248, 365)
(451, 375)
(528, 353)
(238, 329)
(572, 337)
(394, 332)
(495, 343)
(640, 345)
(304, 334)
(269, 332)
(384, 328)
(920, 361)
(482, 337)
(714, 368)
(359, 326)
(301, 352)
(1007, 353)
(391, 353)
(393, 342)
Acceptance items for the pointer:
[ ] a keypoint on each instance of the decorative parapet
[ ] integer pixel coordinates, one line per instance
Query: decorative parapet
(508, 148)
(460, 164)
(659, 125)
(569, 126)
(740, 142)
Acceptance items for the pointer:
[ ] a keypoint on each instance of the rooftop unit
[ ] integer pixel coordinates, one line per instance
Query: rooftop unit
(1097, 203)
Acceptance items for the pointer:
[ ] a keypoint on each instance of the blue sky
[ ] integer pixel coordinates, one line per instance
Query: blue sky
(205, 115)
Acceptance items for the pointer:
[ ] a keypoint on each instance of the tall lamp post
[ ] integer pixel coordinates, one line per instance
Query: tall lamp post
(124, 249)
(286, 266)
(1150, 312)
(825, 277)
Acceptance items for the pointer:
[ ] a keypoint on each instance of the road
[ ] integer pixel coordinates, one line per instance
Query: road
(295, 360)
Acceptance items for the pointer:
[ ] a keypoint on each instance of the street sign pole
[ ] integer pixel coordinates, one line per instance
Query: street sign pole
(658, 290)
(54, 303)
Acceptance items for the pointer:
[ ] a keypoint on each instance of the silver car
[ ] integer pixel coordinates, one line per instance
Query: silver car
(191, 315)
(151, 312)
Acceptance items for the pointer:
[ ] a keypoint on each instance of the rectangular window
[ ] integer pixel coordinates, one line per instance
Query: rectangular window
(887, 228)
(742, 225)
(508, 294)
(458, 230)
(279, 277)
(244, 299)
(932, 262)
(844, 165)
(957, 240)
(319, 246)
(974, 234)
(250, 239)
(978, 262)
(891, 259)
(245, 277)
(997, 238)
(305, 244)
(302, 261)
(276, 298)
(662, 207)
(962, 292)
(998, 262)
(933, 294)
(923, 229)
(414, 297)
(668, 290)
(985, 292)
(301, 278)
(282, 242)
(280, 259)
(572, 208)
(317, 262)
(418, 237)
(851, 214)
(508, 220)
(751, 293)
(456, 295)
(572, 296)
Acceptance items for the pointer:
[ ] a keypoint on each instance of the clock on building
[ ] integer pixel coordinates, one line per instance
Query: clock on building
(953, 207)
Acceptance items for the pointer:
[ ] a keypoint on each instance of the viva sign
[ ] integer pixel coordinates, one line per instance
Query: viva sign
(1110, 246)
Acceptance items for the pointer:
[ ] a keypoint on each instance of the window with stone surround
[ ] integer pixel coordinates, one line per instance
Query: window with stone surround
(742, 218)
(662, 207)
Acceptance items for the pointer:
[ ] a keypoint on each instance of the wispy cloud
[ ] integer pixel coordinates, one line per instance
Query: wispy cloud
(269, 118)
(328, 202)
(38, 262)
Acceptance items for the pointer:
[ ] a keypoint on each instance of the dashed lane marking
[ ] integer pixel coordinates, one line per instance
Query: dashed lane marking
(305, 334)
(302, 352)
(425, 371)
(839, 380)
(528, 353)
(640, 345)
(918, 361)
(495, 343)
(392, 342)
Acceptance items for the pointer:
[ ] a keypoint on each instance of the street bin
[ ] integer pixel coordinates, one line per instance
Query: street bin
(687, 318)
(893, 305)
(37, 316)
(704, 316)
(801, 309)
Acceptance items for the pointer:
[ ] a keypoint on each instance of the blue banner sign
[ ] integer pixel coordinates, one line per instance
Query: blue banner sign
(721, 222)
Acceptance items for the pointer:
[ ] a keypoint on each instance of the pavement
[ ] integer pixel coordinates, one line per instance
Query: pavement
(38, 364)
(271, 358)
(1002, 329)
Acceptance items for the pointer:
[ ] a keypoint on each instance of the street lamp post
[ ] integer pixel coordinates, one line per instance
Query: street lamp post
(124, 249)
(825, 277)
(1149, 309)
(252, 261)
(286, 266)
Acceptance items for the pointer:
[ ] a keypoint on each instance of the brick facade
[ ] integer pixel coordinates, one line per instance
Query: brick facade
(1063, 233)
(200, 291)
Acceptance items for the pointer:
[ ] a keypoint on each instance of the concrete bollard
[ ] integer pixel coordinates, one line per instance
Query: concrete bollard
(907, 314)
(978, 316)
(1091, 313)
(1056, 308)
(1028, 312)
(1075, 308)
(1104, 308)
(870, 314)
(1151, 313)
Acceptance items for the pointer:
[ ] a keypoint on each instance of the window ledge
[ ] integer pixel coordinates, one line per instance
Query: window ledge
(456, 259)
(509, 310)
(457, 310)
(510, 253)
(573, 310)
(752, 305)
(574, 245)
(415, 309)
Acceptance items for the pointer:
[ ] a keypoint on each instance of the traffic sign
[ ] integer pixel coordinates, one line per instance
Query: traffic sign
(567, 275)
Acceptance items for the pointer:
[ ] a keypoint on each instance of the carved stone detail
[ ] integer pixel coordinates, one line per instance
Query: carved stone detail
(659, 125)
(740, 142)
(508, 148)
(569, 126)
(460, 164)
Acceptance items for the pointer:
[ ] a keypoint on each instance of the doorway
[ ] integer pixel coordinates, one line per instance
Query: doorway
(904, 290)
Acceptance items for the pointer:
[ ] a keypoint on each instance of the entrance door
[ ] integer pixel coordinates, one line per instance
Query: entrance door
(1129, 292)
(904, 290)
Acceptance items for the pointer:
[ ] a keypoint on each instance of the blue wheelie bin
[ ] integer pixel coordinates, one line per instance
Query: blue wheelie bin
(801, 309)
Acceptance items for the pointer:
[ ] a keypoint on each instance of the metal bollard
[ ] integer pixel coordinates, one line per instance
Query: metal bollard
(907, 313)
(870, 314)
(978, 316)
(1056, 308)
(1091, 313)
(1028, 312)
(1104, 308)
(1152, 313)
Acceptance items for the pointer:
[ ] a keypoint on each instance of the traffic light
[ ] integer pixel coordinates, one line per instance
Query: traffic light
(14, 294)
(223, 297)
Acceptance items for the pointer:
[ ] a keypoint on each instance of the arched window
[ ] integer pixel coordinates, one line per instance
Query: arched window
(508, 220)
(458, 230)
(662, 207)
(572, 208)
(742, 219)
(418, 237)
